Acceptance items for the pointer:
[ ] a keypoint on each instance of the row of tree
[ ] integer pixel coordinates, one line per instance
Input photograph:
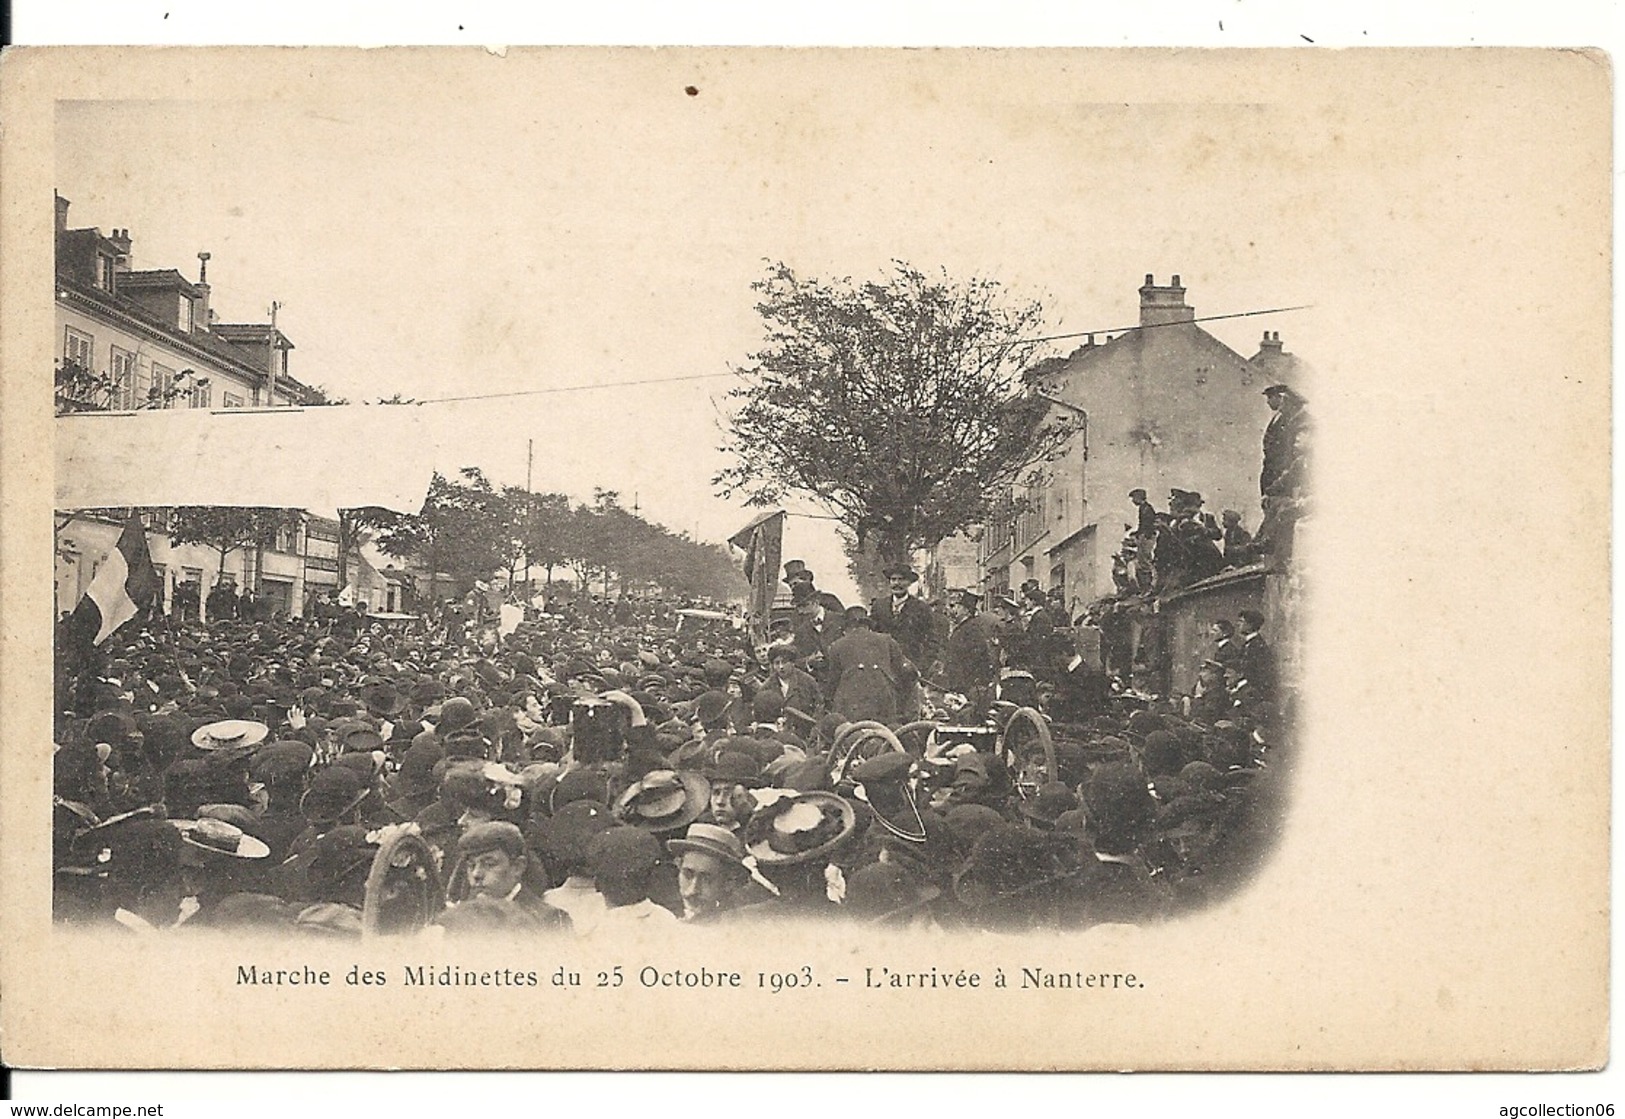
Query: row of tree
(471, 529)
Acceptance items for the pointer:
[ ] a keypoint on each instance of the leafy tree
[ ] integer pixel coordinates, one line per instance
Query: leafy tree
(317, 396)
(465, 529)
(225, 528)
(81, 389)
(545, 529)
(898, 406)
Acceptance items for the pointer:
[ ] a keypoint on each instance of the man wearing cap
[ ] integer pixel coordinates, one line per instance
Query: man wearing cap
(496, 862)
(711, 871)
(1280, 434)
(1145, 516)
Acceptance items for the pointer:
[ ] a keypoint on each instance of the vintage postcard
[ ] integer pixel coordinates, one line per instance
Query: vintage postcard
(805, 559)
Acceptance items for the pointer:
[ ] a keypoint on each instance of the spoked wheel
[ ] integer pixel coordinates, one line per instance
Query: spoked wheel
(404, 892)
(1028, 750)
(858, 743)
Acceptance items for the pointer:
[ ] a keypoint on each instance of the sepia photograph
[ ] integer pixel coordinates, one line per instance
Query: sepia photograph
(924, 535)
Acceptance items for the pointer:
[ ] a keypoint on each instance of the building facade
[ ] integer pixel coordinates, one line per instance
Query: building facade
(152, 337)
(1162, 406)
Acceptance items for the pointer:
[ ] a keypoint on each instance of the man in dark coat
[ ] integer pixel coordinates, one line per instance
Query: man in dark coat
(1281, 434)
(1146, 522)
(1255, 667)
(1238, 542)
(869, 676)
(970, 659)
(818, 625)
(796, 688)
(905, 617)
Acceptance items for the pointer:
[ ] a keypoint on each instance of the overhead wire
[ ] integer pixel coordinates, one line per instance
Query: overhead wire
(551, 389)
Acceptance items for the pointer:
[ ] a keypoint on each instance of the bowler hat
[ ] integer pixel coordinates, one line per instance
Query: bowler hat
(901, 571)
(735, 766)
(455, 714)
(281, 761)
(625, 853)
(711, 707)
(588, 783)
(1048, 805)
(563, 837)
(886, 892)
(382, 699)
(333, 793)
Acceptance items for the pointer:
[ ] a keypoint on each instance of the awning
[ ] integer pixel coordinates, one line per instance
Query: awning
(317, 459)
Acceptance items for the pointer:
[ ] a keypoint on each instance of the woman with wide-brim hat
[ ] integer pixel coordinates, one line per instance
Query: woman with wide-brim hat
(793, 839)
(230, 734)
(663, 801)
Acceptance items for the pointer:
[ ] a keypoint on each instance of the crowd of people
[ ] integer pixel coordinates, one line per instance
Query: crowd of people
(1165, 551)
(579, 771)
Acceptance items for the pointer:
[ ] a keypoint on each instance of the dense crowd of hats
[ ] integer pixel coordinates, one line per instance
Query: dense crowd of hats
(576, 775)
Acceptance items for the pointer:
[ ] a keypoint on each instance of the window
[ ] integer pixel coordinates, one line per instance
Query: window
(231, 400)
(122, 372)
(287, 539)
(201, 396)
(185, 319)
(163, 382)
(77, 347)
(104, 272)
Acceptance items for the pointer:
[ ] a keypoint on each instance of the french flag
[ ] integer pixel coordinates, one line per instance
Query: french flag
(126, 584)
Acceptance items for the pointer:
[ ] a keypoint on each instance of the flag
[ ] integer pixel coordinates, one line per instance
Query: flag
(762, 541)
(125, 584)
(508, 618)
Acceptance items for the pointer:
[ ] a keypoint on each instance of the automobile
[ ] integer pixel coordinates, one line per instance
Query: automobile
(691, 621)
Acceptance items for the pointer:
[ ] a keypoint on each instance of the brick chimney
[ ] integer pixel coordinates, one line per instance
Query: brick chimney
(62, 205)
(1162, 305)
(1271, 344)
(121, 241)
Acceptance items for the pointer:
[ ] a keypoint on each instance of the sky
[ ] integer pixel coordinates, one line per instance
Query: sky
(590, 223)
